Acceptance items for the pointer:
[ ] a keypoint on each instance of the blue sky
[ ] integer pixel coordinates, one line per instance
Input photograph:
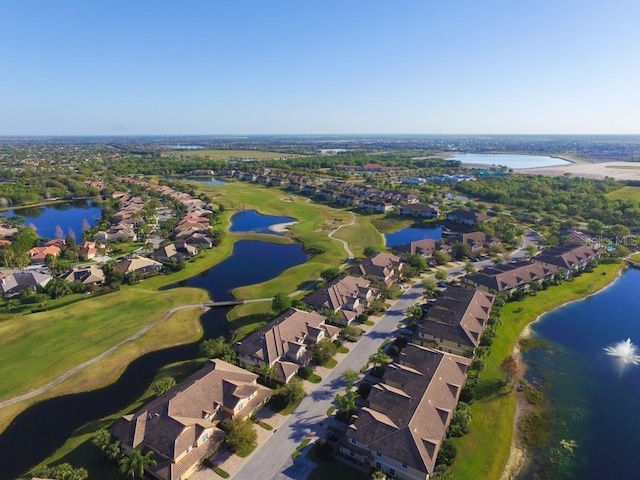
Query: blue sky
(305, 66)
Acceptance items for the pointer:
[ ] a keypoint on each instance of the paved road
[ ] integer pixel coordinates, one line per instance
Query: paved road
(269, 460)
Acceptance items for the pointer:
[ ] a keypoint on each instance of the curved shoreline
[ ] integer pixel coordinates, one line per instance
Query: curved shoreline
(518, 454)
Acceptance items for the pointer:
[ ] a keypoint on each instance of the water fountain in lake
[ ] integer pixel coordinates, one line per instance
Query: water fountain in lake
(625, 351)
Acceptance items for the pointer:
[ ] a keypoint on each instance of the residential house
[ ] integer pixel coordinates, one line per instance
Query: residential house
(384, 267)
(181, 426)
(510, 276)
(139, 265)
(38, 255)
(198, 240)
(284, 343)
(425, 247)
(455, 321)
(174, 251)
(343, 299)
(12, 285)
(466, 217)
(401, 428)
(88, 250)
(88, 275)
(420, 210)
(570, 257)
(479, 242)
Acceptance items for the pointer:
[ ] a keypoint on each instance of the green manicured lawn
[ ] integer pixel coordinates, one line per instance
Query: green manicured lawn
(343, 349)
(265, 425)
(483, 452)
(222, 473)
(313, 378)
(625, 193)
(315, 222)
(361, 235)
(332, 362)
(37, 348)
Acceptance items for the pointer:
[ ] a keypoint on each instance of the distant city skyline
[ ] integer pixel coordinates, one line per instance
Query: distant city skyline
(330, 67)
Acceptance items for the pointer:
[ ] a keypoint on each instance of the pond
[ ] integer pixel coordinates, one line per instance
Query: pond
(55, 420)
(204, 180)
(595, 395)
(412, 234)
(246, 221)
(59, 218)
(508, 160)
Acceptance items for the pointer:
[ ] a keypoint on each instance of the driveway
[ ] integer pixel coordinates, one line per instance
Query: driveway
(272, 460)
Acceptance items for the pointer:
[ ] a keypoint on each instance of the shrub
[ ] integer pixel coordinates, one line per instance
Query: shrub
(305, 372)
(364, 389)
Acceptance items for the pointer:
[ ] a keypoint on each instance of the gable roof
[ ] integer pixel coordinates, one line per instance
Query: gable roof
(86, 275)
(380, 265)
(459, 316)
(291, 329)
(408, 412)
(338, 293)
(172, 423)
(19, 281)
(511, 275)
(567, 256)
(136, 263)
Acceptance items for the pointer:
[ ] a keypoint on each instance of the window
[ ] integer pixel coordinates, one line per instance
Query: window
(404, 466)
(392, 472)
(378, 454)
(353, 440)
(378, 465)
(352, 454)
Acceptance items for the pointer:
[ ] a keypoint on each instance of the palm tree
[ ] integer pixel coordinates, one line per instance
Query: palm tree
(267, 372)
(351, 377)
(113, 451)
(378, 359)
(134, 465)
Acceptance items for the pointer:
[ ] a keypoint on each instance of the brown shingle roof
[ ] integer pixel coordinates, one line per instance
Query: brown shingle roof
(409, 411)
(459, 316)
(289, 332)
(172, 423)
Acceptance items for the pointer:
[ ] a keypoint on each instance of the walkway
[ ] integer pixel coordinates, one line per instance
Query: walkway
(102, 356)
(344, 243)
(310, 419)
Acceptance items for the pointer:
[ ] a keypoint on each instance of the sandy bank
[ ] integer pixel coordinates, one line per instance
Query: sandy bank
(281, 227)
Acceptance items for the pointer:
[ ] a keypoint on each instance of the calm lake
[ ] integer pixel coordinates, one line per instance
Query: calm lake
(595, 395)
(55, 420)
(508, 160)
(205, 180)
(412, 234)
(252, 221)
(69, 216)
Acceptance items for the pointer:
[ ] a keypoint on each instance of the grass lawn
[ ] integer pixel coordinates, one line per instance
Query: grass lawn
(625, 193)
(39, 347)
(315, 222)
(332, 362)
(222, 473)
(227, 154)
(483, 453)
(314, 378)
(391, 223)
(362, 234)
